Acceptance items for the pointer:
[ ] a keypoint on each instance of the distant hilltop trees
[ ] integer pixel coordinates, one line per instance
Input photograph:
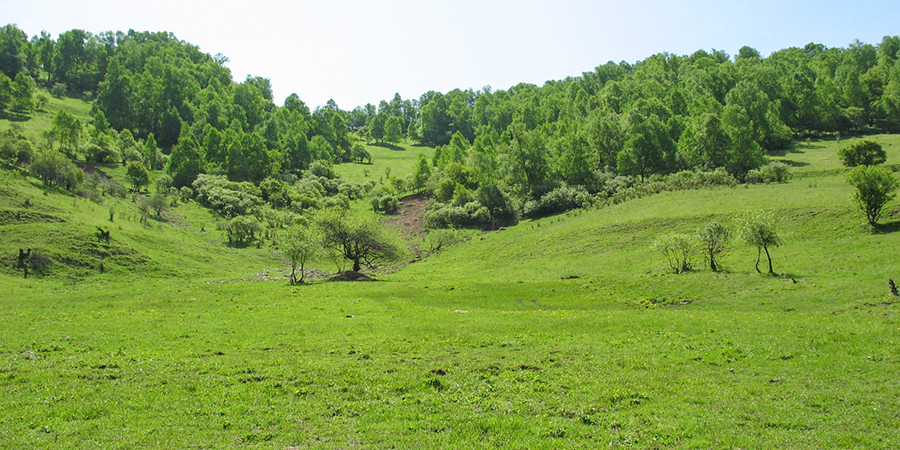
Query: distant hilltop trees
(545, 146)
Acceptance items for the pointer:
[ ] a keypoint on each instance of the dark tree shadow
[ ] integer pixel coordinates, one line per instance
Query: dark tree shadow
(887, 228)
(793, 163)
(794, 148)
(389, 146)
(14, 116)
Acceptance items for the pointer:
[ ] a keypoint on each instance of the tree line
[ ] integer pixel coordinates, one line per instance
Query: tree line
(529, 149)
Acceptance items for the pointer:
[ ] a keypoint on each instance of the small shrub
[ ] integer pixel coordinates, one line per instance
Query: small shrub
(559, 200)
(59, 90)
(875, 186)
(242, 230)
(677, 250)
(774, 172)
(322, 168)
(439, 239)
(862, 153)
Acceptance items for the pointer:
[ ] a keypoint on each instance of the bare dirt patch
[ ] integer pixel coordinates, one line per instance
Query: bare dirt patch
(89, 168)
(410, 217)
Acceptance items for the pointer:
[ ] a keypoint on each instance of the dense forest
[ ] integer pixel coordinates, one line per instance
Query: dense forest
(161, 103)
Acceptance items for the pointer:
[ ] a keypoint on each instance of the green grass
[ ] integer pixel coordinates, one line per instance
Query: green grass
(561, 332)
(36, 123)
(821, 156)
(398, 160)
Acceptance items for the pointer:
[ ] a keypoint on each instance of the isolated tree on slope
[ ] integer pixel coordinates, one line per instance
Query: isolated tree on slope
(759, 229)
(357, 238)
(875, 186)
(300, 246)
(714, 237)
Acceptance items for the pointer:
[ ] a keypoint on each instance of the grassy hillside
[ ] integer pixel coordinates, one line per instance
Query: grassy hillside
(561, 332)
(39, 121)
(387, 160)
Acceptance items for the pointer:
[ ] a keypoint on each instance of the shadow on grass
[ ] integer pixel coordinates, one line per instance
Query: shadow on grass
(14, 116)
(389, 146)
(886, 228)
(793, 163)
(795, 148)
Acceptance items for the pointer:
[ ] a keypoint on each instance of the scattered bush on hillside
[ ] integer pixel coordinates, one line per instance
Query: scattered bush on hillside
(472, 214)
(228, 198)
(559, 200)
(158, 203)
(862, 153)
(875, 186)
(674, 182)
(164, 183)
(54, 169)
(759, 228)
(138, 175)
(774, 172)
(15, 148)
(101, 151)
(713, 238)
(321, 168)
(441, 238)
(241, 230)
(384, 200)
(33, 260)
(300, 245)
(677, 250)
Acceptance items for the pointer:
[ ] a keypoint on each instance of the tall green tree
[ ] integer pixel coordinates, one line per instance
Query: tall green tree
(393, 130)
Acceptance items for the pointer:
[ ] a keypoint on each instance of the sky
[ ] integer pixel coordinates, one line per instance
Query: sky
(363, 51)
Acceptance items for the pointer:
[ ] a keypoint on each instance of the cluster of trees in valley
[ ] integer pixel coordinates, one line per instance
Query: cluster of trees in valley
(674, 120)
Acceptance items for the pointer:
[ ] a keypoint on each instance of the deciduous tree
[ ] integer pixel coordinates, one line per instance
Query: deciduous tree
(875, 187)
(358, 238)
(758, 228)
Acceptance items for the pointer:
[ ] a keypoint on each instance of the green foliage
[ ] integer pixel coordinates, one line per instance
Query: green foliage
(774, 172)
(242, 230)
(713, 238)
(15, 149)
(300, 245)
(441, 238)
(393, 130)
(862, 153)
(138, 175)
(422, 173)
(559, 200)
(54, 169)
(359, 153)
(677, 250)
(67, 131)
(384, 201)
(158, 203)
(759, 229)
(358, 238)
(322, 168)
(875, 187)
(228, 198)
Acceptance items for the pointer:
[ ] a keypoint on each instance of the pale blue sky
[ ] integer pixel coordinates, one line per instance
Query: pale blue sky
(361, 51)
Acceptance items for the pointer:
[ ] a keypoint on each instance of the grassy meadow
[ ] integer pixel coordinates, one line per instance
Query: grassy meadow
(567, 331)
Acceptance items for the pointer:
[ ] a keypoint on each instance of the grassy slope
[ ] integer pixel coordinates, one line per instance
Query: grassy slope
(483, 344)
(399, 159)
(34, 124)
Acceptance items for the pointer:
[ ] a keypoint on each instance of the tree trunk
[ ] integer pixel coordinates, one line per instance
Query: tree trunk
(356, 265)
(712, 262)
(771, 272)
(758, 255)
